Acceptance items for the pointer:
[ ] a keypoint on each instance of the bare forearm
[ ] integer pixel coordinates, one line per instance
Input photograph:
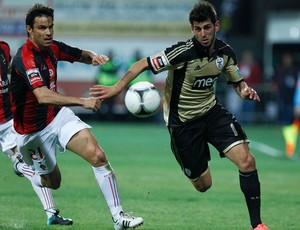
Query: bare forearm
(87, 56)
(131, 74)
(49, 97)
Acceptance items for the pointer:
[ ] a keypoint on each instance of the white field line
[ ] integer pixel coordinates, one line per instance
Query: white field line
(266, 149)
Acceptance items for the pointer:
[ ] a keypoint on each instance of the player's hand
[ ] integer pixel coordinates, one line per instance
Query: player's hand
(92, 103)
(99, 59)
(104, 92)
(250, 93)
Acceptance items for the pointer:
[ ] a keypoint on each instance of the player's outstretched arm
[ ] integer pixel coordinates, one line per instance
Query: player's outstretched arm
(105, 92)
(49, 97)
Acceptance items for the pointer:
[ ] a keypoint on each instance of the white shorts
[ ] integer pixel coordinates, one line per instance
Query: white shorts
(39, 149)
(7, 137)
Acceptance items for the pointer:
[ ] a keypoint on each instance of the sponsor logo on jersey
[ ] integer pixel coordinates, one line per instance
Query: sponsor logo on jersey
(159, 62)
(219, 63)
(204, 82)
(33, 75)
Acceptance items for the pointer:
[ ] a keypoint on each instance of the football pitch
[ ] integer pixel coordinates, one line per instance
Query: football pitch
(152, 185)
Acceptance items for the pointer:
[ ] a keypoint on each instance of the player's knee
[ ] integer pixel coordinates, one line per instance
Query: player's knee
(52, 184)
(202, 184)
(55, 185)
(98, 157)
(247, 163)
(202, 188)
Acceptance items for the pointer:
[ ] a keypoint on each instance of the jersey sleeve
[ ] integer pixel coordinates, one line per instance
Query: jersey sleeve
(64, 52)
(26, 66)
(171, 58)
(231, 70)
(233, 73)
(158, 62)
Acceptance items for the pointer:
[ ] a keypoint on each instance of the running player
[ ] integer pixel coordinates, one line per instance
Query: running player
(42, 119)
(8, 141)
(192, 114)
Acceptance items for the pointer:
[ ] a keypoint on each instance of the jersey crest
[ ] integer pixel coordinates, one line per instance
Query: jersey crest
(219, 63)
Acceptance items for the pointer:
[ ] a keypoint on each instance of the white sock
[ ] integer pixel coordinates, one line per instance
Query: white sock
(46, 198)
(44, 194)
(30, 174)
(108, 184)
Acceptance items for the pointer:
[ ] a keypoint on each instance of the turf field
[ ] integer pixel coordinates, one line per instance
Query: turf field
(151, 185)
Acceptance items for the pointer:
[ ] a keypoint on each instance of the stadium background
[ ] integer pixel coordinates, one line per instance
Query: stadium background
(149, 178)
(265, 27)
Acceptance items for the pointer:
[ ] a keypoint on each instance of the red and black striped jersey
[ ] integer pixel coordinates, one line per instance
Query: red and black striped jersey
(6, 108)
(33, 68)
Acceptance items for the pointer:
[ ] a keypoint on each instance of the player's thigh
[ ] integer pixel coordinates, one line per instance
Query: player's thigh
(241, 156)
(84, 144)
(190, 150)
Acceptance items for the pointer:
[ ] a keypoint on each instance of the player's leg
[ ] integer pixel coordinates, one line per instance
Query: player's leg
(204, 182)
(43, 161)
(44, 194)
(46, 198)
(192, 154)
(85, 145)
(228, 137)
(241, 156)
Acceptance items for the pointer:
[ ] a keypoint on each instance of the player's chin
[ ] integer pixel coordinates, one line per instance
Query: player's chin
(206, 43)
(48, 42)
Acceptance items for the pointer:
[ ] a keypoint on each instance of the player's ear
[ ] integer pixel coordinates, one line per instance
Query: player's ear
(192, 27)
(217, 26)
(28, 29)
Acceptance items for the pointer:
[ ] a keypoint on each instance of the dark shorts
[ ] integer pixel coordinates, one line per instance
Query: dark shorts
(189, 142)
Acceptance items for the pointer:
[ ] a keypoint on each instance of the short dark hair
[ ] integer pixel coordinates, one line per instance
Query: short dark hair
(38, 10)
(202, 11)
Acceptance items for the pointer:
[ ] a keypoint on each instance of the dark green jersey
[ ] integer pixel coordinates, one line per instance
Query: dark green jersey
(192, 72)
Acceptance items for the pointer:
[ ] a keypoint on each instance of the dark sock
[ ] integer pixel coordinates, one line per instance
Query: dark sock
(250, 186)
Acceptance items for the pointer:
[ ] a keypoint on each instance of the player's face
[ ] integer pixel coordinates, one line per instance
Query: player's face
(205, 32)
(42, 32)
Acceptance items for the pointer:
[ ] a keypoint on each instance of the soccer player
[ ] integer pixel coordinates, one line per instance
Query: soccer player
(8, 141)
(191, 111)
(42, 119)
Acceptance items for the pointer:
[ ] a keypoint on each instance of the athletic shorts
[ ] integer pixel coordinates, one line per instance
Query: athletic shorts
(189, 142)
(39, 149)
(7, 137)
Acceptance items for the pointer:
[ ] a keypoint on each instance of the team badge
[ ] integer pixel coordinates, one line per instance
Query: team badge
(159, 61)
(51, 72)
(219, 63)
(33, 75)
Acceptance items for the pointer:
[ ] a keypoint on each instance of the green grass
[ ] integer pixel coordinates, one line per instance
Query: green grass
(152, 185)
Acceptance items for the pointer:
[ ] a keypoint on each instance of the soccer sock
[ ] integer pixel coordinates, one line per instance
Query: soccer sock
(29, 174)
(250, 186)
(108, 184)
(46, 198)
(44, 194)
